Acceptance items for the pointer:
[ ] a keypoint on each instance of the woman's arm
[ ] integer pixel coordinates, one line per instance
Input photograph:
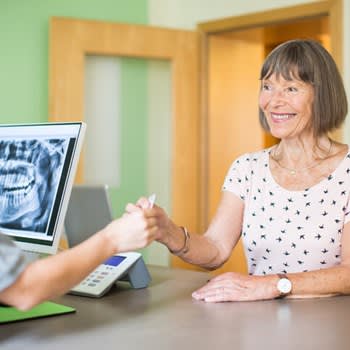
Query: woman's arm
(50, 277)
(214, 247)
(334, 280)
(232, 286)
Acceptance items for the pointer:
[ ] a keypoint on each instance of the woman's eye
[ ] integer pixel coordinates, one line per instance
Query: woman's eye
(266, 87)
(292, 89)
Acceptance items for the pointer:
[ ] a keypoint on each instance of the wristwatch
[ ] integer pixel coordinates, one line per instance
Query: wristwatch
(284, 285)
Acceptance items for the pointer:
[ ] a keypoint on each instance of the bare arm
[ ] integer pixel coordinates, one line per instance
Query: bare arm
(211, 249)
(55, 275)
(233, 286)
(334, 280)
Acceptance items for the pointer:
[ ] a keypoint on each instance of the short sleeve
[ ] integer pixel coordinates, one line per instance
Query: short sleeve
(235, 180)
(12, 262)
(346, 208)
(347, 213)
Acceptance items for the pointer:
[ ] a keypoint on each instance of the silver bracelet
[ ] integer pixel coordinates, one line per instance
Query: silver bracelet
(185, 247)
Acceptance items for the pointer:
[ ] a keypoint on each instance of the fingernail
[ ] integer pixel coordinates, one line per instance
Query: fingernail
(195, 296)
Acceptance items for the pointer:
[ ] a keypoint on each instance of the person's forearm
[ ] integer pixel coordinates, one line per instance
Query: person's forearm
(330, 281)
(49, 277)
(201, 250)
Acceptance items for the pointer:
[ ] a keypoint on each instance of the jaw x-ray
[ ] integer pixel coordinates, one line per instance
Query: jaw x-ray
(29, 174)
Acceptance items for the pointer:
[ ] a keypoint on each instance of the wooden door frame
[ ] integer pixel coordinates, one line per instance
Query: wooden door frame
(331, 8)
(72, 39)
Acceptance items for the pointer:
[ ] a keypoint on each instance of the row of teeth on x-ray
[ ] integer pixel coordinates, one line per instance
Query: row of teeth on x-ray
(29, 171)
(16, 176)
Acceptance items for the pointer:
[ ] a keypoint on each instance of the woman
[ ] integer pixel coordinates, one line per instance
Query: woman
(290, 202)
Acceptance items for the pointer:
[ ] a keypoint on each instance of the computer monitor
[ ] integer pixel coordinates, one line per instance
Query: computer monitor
(89, 210)
(38, 163)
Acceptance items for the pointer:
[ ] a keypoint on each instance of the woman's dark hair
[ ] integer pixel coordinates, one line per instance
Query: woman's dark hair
(311, 63)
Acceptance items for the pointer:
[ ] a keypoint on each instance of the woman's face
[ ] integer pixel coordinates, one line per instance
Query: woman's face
(287, 105)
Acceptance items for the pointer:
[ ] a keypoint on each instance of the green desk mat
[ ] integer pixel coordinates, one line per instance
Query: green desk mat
(48, 308)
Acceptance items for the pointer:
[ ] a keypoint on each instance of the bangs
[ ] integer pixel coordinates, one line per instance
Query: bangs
(289, 61)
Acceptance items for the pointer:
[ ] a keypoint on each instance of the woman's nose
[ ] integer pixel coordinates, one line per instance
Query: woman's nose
(278, 96)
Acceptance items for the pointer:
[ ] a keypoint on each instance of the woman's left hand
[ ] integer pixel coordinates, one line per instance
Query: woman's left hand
(231, 286)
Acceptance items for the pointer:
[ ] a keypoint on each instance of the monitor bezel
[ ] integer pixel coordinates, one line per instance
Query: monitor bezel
(58, 228)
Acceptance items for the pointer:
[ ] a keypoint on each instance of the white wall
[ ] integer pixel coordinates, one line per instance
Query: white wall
(186, 14)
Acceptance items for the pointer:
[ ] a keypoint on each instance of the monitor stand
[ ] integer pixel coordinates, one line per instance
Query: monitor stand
(137, 275)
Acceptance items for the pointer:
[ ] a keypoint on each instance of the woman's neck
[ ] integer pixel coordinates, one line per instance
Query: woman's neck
(296, 154)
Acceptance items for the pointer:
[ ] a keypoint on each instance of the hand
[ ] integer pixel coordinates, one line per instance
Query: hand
(232, 286)
(163, 222)
(131, 232)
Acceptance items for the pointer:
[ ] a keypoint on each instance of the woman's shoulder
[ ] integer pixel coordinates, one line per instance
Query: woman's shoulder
(252, 158)
(243, 169)
(345, 150)
(340, 158)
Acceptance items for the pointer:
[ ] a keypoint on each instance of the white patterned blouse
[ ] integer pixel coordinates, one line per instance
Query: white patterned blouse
(287, 231)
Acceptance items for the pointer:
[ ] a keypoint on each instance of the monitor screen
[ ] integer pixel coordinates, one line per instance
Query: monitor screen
(37, 167)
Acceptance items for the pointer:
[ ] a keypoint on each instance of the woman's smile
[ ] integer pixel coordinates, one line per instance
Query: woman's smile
(281, 117)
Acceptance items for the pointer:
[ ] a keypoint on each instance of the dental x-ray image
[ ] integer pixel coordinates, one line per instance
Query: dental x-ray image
(29, 174)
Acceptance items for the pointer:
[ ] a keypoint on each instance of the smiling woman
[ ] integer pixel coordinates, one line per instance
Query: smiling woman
(306, 70)
(302, 99)
(295, 229)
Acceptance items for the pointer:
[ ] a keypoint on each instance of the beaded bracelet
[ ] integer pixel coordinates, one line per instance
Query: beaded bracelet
(185, 247)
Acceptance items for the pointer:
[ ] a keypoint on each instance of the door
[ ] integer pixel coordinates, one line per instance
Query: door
(71, 40)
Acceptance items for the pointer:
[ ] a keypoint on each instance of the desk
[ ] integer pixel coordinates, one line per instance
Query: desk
(164, 316)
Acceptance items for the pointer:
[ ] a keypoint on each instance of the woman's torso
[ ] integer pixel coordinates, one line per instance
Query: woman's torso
(287, 230)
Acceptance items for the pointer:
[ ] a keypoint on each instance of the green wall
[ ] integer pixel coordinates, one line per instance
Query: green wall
(24, 37)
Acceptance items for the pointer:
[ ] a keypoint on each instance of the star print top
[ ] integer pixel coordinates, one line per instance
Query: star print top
(287, 231)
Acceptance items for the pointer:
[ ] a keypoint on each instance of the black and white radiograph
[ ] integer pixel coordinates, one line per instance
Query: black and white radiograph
(29, 174)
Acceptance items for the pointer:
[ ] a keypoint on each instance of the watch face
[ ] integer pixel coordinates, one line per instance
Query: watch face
(284, 285)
